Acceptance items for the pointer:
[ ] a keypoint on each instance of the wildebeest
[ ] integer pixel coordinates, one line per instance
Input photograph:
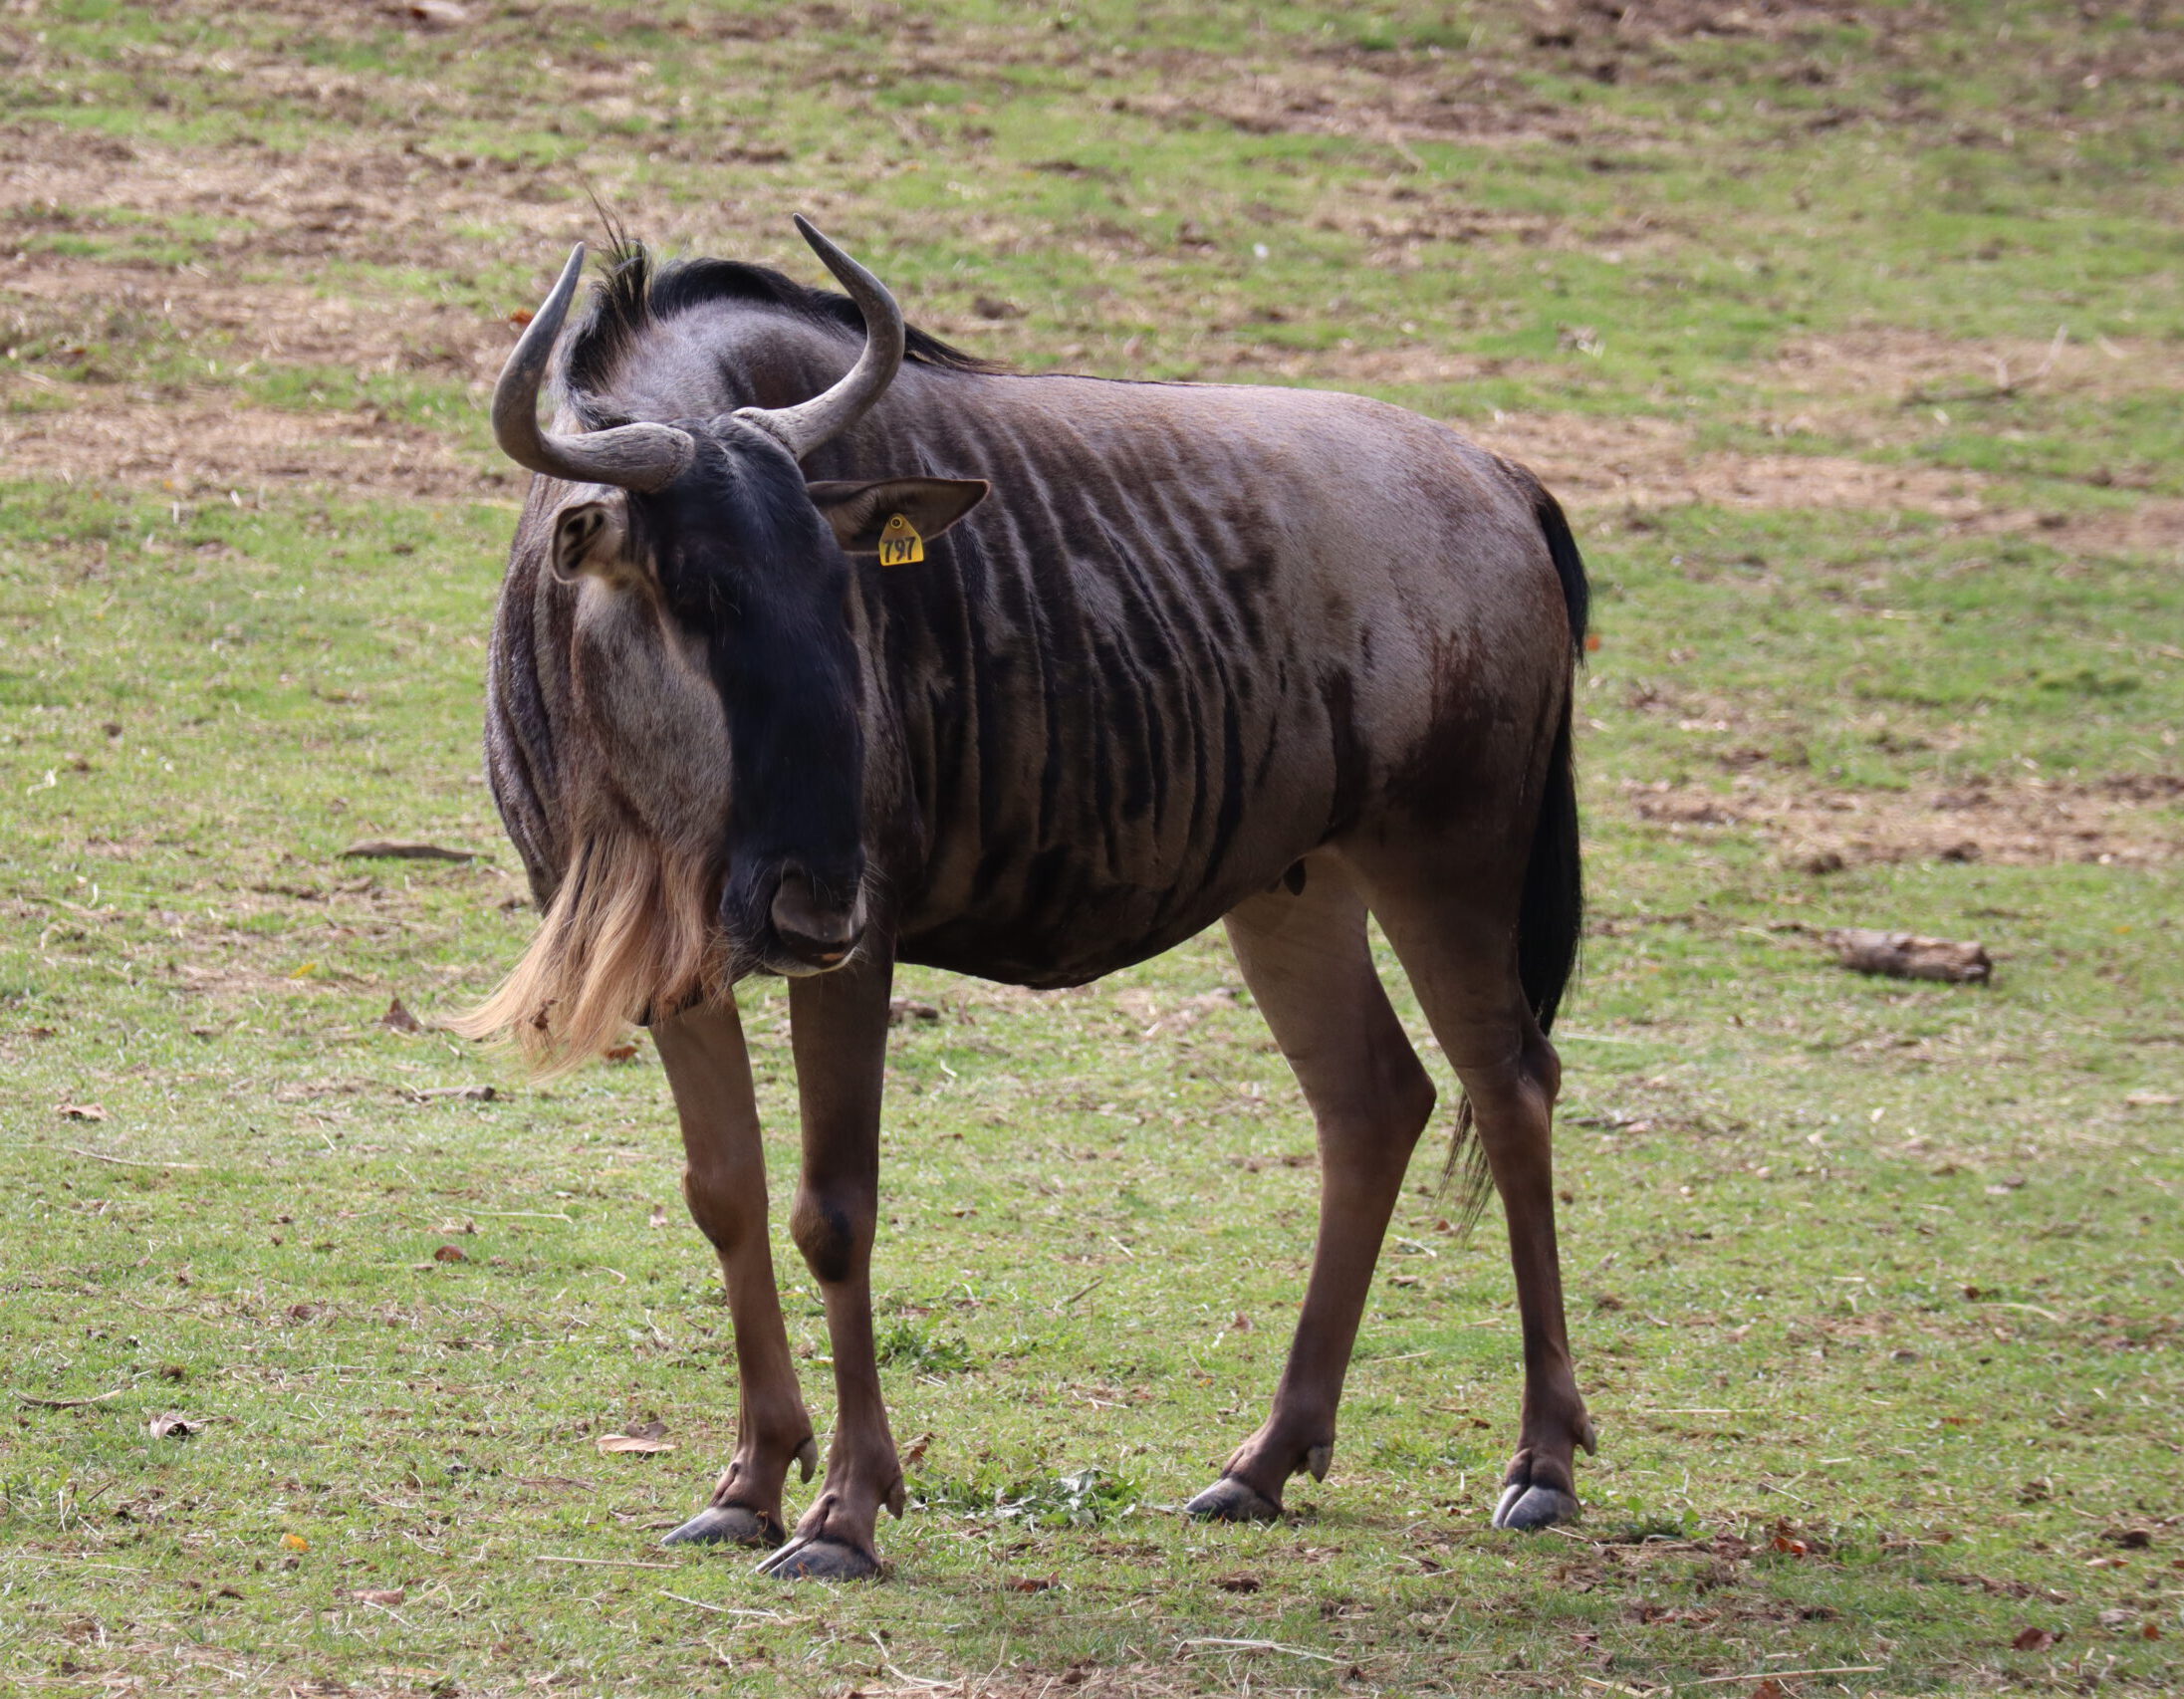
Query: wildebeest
(1278, 658)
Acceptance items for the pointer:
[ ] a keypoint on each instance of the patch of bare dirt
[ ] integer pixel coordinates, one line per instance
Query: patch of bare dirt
(1392, 98)
(270, 319)
(2151, 524)
(1723, 20)
(1644, 463)
(209, 443)
(1899, 367)
(2136, 821)
(377, 203)
(1350, 368)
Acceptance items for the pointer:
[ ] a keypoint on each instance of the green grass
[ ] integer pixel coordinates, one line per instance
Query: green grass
(1874, 1286)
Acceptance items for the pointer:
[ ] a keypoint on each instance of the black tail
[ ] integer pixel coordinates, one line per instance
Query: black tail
(1551, 915)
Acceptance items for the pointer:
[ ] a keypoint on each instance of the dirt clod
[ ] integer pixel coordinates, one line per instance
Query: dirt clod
(1904, 955)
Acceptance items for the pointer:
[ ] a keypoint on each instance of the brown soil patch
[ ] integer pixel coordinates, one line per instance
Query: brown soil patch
(1394, 99)
(1647, 463)
(1897, 367)
(1639, 465)
(371, 204)
(2150, 525)
(2135, 821)
(208, 443)
(1347, 369)
(263, 320)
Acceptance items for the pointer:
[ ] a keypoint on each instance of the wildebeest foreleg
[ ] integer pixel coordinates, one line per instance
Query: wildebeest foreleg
(1458, 953)
(1310, 967)
(724, 1179)
(839, 1023)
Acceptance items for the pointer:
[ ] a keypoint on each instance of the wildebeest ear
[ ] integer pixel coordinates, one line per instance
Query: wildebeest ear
(859, 511)
(587, 537)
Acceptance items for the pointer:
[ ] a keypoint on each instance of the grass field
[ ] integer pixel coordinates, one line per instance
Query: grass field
(1854, 336)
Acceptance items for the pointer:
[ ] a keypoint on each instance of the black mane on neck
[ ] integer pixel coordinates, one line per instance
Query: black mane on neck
(638, 292)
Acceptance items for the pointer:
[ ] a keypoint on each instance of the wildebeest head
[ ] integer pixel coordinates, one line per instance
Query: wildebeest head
(712, 792)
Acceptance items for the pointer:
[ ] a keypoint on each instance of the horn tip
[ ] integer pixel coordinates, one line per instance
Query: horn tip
(815, 239)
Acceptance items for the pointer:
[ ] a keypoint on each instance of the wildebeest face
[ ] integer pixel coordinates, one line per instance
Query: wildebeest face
(734, 584)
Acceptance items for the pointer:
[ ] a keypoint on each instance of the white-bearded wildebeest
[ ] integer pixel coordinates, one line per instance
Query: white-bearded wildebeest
(1278, 658)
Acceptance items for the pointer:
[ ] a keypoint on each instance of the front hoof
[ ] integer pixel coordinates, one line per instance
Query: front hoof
(1232, 1500)
(729, 1525)
(1524, 1506)
(820, 1561)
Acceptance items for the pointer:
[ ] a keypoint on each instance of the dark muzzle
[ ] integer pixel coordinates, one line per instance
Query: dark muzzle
(816, 928)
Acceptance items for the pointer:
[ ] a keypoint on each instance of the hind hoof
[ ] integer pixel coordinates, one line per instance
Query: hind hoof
(728, 1524)
(1524, 1507)
(1231, 1500)
(820, 1561)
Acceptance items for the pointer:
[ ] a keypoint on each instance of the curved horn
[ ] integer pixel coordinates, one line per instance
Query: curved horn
(809, 425)
(632, 456)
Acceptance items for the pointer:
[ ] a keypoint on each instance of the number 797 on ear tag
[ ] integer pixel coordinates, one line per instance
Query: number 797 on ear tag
(899, 543)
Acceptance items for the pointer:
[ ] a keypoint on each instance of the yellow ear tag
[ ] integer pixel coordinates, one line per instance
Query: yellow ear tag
(899, 543)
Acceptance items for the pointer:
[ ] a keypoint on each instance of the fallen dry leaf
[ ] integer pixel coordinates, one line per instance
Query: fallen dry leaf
(1033, 1583)
(172, 1426)
(295, 1542)
(914, 1454)
(450, 1254)
(32, 1398)
(393, 849)
(301, 1312)
(1767, 1687)
(2152, 1099)
(619, 1051)
(658, 1217)
(1238, 1582)
(2035, 1639)
(399, 1020)
(643, 1440)
(904, 1010)
(80, 1111)
(378, 1595)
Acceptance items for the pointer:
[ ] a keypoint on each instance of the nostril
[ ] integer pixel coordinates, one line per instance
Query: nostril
(818, 930)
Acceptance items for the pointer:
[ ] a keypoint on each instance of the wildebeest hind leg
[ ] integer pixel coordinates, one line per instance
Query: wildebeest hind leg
(838, 1027)
(1310, 967)
(1457, 947)
(724, 1180)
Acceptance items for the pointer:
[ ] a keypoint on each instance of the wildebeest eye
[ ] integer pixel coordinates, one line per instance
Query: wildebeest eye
(588, 538)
